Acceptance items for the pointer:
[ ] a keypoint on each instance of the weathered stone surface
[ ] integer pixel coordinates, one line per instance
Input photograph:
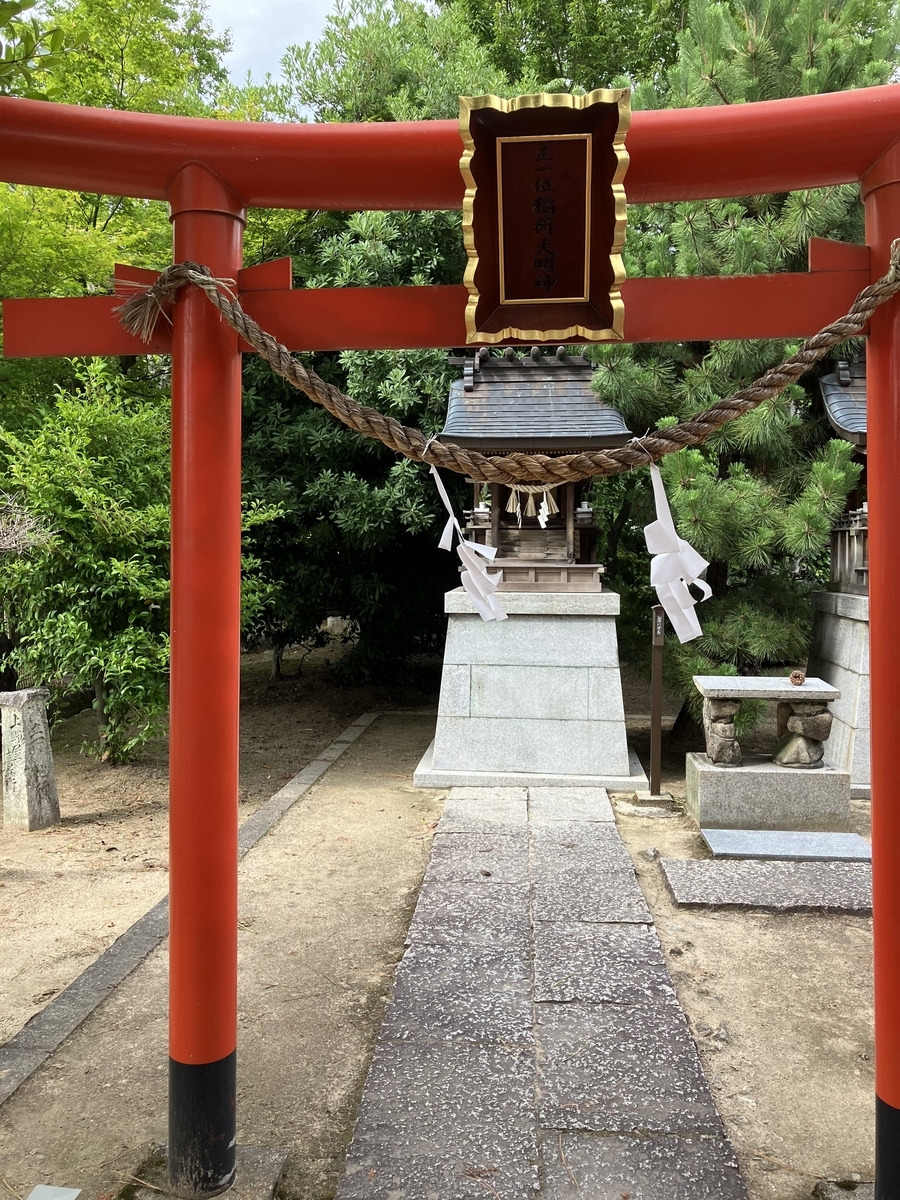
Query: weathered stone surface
(762, 687)
(492, 818)
(724, 751)
(721, 729)
(568, 604)
(531, 745)
(761, 794)
(426, 775)
(719, 709)
(795, 750)
(787, 845)
(478, 858)
(582, 872)
(597, 963)
(30, 799)
(490, 795)
(808, 709)
(581, 1165)
(568, 804)
(817, 727)
(827, 1190)
(621, 1069)
(478, 994)
(466, 914)
(782, 715)
(779, 886)
(437, 1125)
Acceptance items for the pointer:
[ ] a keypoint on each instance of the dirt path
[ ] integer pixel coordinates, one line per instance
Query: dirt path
(66, 893)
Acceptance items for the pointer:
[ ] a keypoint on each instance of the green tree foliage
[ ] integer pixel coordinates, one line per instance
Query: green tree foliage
(580, 44)
(89, 607)
(31, 52)
(759, 498)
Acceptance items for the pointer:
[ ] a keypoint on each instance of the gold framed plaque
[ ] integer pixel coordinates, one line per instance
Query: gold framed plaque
(544, 216)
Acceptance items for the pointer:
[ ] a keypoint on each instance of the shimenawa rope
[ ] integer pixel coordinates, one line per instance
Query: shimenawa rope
(140, 313)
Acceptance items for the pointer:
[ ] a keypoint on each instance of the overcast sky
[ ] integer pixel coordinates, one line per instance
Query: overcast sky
(261, 29)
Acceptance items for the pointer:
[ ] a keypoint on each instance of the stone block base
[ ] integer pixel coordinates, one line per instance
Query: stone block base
(428, 776)
(762, 795)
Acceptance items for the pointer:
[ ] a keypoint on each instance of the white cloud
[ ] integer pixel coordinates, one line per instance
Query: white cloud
(262, 30)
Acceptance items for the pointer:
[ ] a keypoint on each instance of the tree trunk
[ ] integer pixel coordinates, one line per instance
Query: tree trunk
(277, 655)
(717, 577)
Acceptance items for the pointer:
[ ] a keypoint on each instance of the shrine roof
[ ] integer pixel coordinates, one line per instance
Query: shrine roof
(538, 402)
(844, 394)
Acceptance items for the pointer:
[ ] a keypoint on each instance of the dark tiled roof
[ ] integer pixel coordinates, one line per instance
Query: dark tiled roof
(844, 394)
(543, 403)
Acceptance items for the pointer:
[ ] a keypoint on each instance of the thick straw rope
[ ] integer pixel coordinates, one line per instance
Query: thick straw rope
(140, 313)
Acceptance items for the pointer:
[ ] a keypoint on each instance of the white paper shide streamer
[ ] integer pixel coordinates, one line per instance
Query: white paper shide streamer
(479, 585)
(675, 566)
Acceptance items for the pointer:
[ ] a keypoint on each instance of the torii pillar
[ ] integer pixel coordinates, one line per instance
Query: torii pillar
(205, 688)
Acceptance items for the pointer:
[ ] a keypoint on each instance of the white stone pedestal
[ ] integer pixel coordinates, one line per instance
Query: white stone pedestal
(760, 794)
(535, 700)
(29, 783)
(840, 654)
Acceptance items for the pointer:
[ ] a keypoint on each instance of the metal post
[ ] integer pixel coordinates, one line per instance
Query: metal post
(881, 189)
(203, 756)
(658, 641)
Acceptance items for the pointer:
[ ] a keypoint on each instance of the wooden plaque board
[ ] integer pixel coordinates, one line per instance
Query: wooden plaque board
(544, 216)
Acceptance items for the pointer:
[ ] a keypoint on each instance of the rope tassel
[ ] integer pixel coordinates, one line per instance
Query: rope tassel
(140, 313)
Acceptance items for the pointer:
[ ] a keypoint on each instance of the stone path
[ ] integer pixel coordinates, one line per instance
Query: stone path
(534, 1045)
(775, 886)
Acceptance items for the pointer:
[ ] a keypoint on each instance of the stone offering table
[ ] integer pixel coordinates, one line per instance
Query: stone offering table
(767, 791)
(804, 719)
(29, 783)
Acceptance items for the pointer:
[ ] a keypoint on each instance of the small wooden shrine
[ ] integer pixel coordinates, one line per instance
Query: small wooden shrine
(546, 538)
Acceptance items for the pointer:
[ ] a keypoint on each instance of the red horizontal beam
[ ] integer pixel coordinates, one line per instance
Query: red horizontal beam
(676, 154)
(408, 318)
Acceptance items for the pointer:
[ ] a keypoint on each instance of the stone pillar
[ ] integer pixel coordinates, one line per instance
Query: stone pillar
(29, 784)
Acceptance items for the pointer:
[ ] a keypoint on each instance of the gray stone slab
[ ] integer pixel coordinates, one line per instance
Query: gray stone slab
(762, 687)
(762, 795)
(471, 914)
(621, 1069)
(456, 691)
(566, 604)
(475, 994)
(582, 872)
(45, 1191)
(533, 641)
(779, 886)
(16, 1064)
(477, 816)
(568, 804)
(551, 693)
(616, 964)
(593, 1167)
(490, 795)
(531, 744)
(444, 1123)
(426, 775)
(787, 845)
(478, 857)
(827, 1189)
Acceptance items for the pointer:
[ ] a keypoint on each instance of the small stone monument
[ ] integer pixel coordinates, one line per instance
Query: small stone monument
(30, 800)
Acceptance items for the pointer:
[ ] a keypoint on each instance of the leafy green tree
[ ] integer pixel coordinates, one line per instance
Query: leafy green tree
(580, 44)
(31, 51)
(89, 607)
(758, 499)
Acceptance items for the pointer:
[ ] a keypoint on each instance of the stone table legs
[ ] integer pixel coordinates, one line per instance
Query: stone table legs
(803, 728)
(30, 800)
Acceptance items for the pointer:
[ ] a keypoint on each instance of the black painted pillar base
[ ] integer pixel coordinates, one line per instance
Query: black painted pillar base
(202, 1127)
(887, 1151)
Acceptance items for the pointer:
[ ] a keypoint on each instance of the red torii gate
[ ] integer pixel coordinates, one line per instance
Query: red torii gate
(210, 172)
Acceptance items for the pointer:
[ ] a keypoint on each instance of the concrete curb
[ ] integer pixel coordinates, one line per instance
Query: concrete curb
(23, 1053)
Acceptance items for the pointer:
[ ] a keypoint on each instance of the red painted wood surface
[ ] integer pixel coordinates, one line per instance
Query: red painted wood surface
(676, 154)
(656, 310)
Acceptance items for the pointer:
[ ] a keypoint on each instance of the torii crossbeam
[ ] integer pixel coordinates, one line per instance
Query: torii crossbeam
(210, 172)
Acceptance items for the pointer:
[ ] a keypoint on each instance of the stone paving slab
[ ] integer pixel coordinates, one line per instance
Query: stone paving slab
(473, 993)
(615, 964)
(475, 857)
(621, 1069)
(472, 816)
(787, 845)
(593, 1167)
(568, 804)
(778, 886)
(472, 914)
(436, 1125)
(578, 893)
(490, 795)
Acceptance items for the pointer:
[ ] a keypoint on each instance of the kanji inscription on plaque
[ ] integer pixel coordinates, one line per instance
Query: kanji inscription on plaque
(544, 216)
